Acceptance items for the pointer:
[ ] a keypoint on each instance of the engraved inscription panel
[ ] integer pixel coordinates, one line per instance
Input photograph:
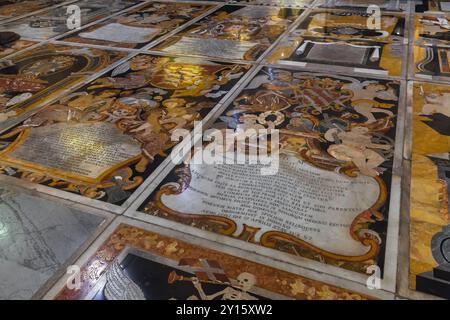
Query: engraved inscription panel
(315, 205)
(84, 149)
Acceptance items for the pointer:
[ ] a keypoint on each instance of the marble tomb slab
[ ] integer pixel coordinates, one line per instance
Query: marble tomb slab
(232, 32)
(136, 28)
(341, 40)
(38, 238)
(350, 24)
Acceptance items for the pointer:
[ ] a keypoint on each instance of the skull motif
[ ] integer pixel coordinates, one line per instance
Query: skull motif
(246, 281)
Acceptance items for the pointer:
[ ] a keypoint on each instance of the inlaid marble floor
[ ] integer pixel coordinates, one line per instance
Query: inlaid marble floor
(93, 108)
(37, 238)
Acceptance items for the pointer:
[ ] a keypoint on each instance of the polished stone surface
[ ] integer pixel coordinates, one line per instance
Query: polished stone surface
(89, 116)
(37, 236)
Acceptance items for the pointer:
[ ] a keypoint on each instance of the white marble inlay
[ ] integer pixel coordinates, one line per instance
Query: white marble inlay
(36, 237)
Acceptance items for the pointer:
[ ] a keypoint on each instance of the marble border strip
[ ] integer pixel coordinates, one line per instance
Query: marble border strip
(407, 149)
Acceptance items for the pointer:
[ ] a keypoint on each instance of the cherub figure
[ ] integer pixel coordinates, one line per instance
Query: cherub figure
(363, 100)
(246, 282)
(356, 146)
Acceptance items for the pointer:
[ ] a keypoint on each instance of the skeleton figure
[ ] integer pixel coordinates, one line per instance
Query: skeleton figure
(356, 146)
(245, 281)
